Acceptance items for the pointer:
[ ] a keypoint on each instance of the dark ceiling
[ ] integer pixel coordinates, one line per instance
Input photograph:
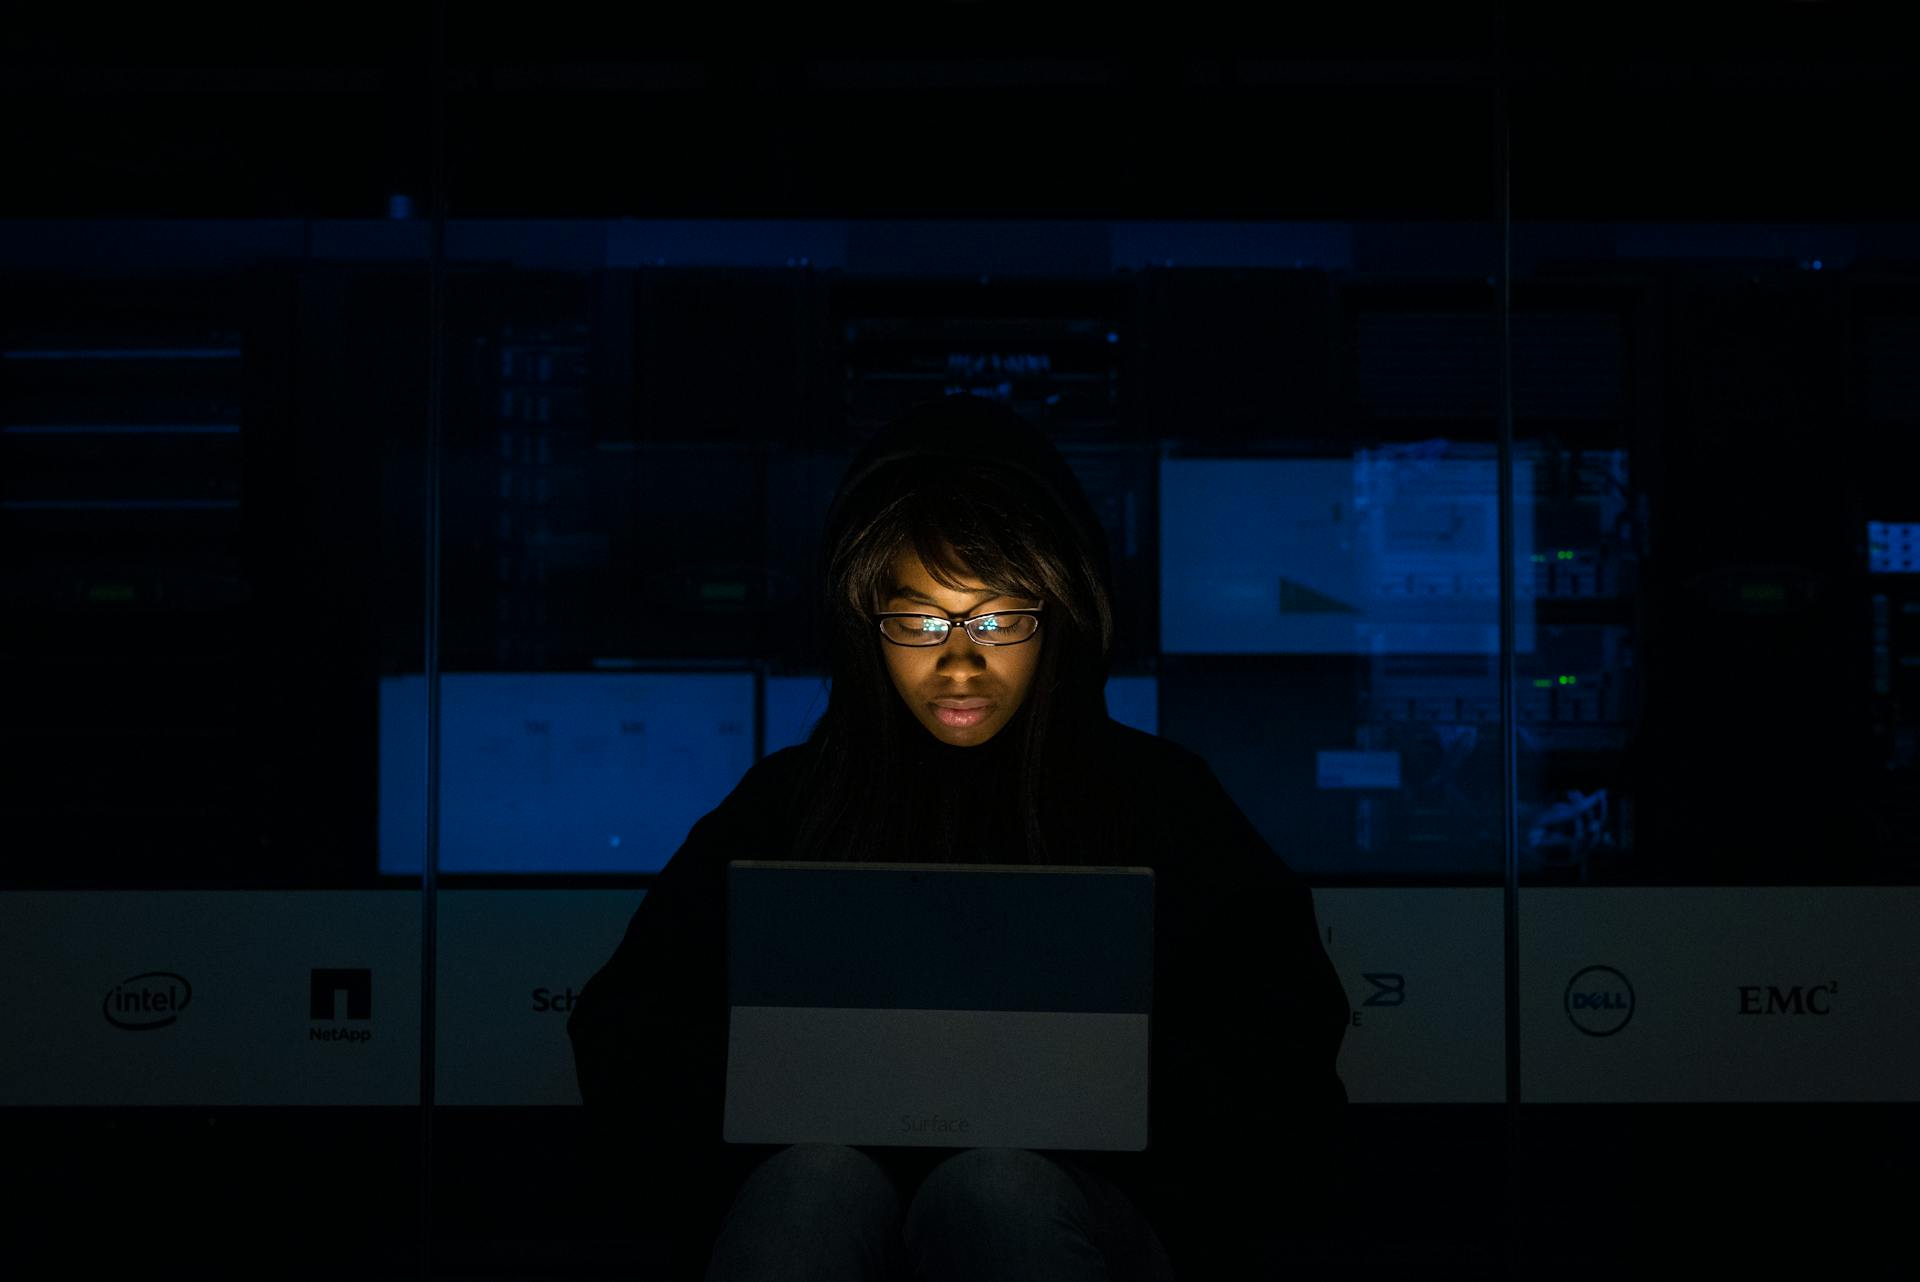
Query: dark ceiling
(1789, 111)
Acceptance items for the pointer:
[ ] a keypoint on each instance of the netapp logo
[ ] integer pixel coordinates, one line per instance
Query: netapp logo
(150, 1000)
(545, 999)
(1815, 999)
(1599, 1001)
(933, 1123)
(326, 986)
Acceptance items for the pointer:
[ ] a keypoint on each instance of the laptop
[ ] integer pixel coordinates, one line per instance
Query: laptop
(938, 1005)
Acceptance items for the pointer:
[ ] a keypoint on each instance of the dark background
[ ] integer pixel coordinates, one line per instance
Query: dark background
(1489, 162)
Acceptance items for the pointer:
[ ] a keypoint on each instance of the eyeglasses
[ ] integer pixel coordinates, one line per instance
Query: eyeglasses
(1002, 627)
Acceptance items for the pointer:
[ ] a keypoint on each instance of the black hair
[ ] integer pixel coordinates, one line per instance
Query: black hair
(1013, 529)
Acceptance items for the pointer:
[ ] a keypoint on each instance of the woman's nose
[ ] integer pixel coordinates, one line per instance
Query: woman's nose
(961, 649)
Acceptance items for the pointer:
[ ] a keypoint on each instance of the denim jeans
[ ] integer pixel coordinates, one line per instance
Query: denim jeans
(814, 1212)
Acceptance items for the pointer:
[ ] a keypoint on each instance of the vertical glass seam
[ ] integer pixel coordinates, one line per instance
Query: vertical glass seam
(1509, 731)
(436, 400)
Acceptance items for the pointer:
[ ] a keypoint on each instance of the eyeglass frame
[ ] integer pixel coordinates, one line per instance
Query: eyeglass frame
(880, 621)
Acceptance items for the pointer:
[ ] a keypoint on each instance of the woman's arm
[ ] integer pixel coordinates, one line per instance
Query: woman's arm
(649, 1030)
(1251, 1024)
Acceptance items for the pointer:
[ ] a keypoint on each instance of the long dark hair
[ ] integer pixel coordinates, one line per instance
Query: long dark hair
(995, 521)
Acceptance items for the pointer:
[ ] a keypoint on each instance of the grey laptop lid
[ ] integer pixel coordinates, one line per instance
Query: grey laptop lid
(941, 1005)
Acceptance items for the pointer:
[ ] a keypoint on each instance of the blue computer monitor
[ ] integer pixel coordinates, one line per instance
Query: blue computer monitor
(1390, 551)
(560, 772)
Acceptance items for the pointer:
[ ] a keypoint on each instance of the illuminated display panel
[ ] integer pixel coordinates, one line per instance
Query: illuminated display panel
(1893, 547)
(561, 772)
(1391, 551)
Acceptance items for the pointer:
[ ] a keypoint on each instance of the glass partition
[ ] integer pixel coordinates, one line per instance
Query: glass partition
(213, 459)
(1713, 307)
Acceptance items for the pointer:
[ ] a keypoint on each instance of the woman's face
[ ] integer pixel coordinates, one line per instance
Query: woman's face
(961, 669)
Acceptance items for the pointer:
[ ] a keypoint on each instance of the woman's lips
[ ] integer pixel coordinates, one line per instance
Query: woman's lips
(961, 713)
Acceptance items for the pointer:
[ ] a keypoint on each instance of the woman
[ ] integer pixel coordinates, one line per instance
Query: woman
(968, 599)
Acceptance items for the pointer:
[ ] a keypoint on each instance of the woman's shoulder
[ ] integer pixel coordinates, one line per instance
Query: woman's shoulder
(1141, 754)
(1143, 788)
(760, 796)
(747, 822)
(777, 767)
(1160, 782)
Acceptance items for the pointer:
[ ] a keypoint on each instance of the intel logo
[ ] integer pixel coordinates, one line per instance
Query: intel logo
(1599, 1001)
(149, 1000)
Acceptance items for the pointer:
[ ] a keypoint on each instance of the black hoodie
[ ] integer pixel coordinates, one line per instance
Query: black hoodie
(1248, 1013)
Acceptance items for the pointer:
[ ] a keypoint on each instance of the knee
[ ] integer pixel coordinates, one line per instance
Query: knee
(813, 1210)
(807, 1181)
(826, 1175)
(981, 1188)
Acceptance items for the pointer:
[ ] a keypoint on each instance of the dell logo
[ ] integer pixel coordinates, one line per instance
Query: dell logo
(1599, 1001)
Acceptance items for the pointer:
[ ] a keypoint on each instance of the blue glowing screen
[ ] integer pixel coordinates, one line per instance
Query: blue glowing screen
(1390, 551)
(560, 772)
